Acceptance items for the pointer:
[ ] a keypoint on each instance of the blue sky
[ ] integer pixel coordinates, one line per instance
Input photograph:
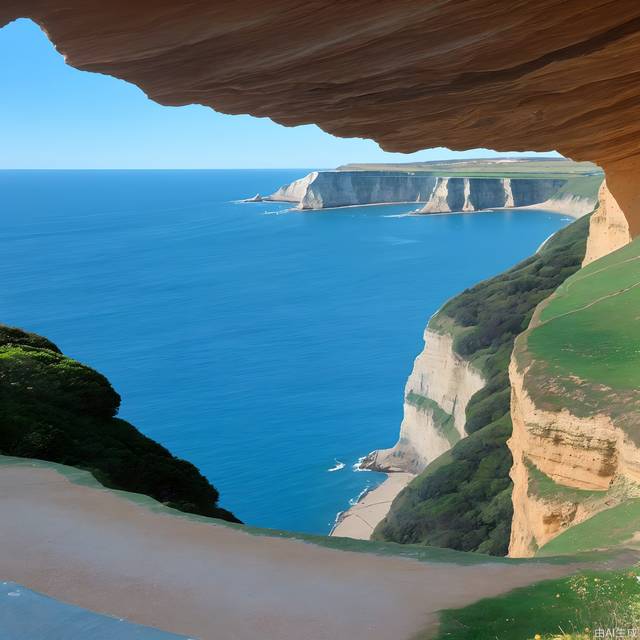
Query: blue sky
(55, 117)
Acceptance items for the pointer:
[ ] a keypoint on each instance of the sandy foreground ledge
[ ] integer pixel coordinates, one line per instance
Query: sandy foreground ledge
(97, 549)
(361, 519)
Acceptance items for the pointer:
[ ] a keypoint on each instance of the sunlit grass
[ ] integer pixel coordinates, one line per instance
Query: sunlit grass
(574, 607)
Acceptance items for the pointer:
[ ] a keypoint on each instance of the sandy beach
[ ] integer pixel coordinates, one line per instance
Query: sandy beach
(361, 519)
(96, 549)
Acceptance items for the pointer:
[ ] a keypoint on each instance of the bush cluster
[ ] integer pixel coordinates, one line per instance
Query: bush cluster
(54, 408)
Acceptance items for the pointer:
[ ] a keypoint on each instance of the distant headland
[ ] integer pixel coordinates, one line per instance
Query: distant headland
(452, 186)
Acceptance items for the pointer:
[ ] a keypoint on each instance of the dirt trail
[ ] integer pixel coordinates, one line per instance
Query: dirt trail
(94, 548)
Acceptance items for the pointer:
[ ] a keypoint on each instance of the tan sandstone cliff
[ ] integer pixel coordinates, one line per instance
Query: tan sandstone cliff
(555, 453)
(608, 229)
(436, 396)
(566, 467)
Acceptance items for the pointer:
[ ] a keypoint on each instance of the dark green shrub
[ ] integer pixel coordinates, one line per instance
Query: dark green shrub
(54, 408)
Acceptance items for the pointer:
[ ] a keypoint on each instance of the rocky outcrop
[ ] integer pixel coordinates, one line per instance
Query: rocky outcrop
(476, 194)
(436, 396)
(608, 229)
(295, 191)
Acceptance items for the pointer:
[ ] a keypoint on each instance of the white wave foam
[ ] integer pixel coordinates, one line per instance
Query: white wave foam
(357, 465)
(362, 494)
(339, 465)
(277, 212)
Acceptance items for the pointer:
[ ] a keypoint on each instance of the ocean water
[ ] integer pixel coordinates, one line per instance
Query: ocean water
(266, 346)
(29, 615)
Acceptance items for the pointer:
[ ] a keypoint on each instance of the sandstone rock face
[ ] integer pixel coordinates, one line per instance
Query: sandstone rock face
(585, 453)
(436, 396)
(407, 73)
(608, 228)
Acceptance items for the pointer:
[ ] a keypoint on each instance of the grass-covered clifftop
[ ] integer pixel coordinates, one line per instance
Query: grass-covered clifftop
(533, 167)
(57, 409)
(585, 344)
(579, 359)
(463, 499)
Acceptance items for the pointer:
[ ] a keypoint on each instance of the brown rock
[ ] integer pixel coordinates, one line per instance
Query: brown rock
(552, 74)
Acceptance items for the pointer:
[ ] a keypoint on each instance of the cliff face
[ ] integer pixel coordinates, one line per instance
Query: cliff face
(569, 204)
(476, 194)
(295, 191)
(609, 229)
(575, 442)
(562, 452)
(326, 189)
(436, 397)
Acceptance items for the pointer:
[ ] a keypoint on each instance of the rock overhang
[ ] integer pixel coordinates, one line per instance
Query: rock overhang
(555, 74)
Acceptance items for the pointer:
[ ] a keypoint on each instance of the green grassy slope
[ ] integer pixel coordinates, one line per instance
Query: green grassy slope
(584, 349)
(582, 353)
(583, 186)
(465, 501)
(488, 167)
(607, 529)
(570, 608)
(54, 408)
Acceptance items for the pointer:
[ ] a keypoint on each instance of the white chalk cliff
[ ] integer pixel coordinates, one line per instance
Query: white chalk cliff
(436, 397)
(476, 194)
(327, 189)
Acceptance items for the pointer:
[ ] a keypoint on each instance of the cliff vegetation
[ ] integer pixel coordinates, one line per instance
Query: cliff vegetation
(463, 499)
(575, 377)
(54, 408)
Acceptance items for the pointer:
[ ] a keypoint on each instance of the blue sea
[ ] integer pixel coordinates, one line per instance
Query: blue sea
(29, 615)
(264, 345)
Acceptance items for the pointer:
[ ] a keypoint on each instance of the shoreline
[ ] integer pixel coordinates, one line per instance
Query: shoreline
(560, 208)
(359, 520)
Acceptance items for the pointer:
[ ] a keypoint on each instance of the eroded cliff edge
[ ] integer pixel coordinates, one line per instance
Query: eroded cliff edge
(575, 402)
(609, 229)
